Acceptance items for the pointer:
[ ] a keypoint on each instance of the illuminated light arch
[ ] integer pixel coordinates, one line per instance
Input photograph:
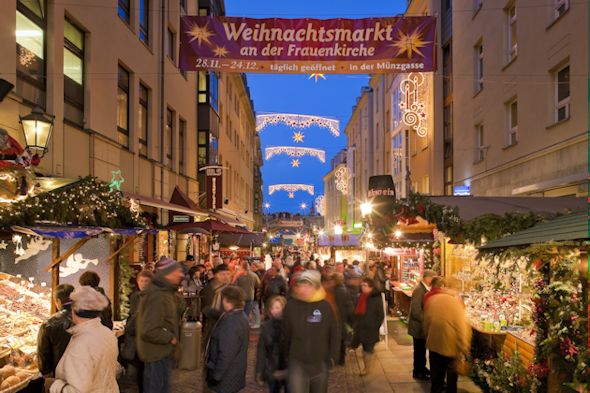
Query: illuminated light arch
(292, 151)
(341, 178)
(320, 205)
(297, 121)
(291, 188)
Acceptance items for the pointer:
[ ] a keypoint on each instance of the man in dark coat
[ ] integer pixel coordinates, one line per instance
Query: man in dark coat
(157, 326)
(369, 317)
(415, 328)
(211, 299)
(92, 279)
(345, 311)
(53, 337)
(312, 338)
(226, 355)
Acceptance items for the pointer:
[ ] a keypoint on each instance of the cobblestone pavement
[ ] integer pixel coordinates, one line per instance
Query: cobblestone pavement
(392, 372)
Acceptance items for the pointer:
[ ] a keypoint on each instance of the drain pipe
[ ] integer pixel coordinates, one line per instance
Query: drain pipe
(162, 103)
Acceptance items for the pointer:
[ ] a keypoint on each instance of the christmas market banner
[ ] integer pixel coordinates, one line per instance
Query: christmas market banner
(292, 46)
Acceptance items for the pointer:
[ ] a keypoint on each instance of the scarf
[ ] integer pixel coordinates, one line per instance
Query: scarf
(361, 307)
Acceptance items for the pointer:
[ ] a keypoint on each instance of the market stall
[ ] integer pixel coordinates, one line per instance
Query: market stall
(539, 306)
(50, 239)
(341, 247)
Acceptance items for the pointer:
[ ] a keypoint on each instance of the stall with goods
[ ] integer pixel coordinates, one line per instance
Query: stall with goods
(52, 238)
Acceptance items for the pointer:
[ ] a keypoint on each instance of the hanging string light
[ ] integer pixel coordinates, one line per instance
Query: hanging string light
(291, 188)
(293, 151)
(341, 178)
(413, 102)
(297, 121)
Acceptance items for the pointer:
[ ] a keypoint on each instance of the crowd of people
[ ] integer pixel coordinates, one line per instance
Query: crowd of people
(308, 314)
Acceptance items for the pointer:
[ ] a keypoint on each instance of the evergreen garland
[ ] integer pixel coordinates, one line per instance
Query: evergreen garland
(87, 202)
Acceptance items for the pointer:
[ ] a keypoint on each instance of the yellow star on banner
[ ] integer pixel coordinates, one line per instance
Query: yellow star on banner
(200, 34)
(220, 51)
(410, 43)
(317, 76)
(298, 137)
(291, 195)
(295, 163)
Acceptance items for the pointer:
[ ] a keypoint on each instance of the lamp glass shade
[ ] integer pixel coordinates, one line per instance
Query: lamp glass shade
(37, 128)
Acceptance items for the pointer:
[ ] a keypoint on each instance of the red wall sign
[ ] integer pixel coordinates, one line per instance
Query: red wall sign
(293, 46)
(214, 188)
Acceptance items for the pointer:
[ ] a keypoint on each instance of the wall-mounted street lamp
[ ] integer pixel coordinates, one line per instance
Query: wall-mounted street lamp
(37, 127)
(366, 208)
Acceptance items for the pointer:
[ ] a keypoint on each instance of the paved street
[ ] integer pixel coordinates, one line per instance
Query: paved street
(392, 372)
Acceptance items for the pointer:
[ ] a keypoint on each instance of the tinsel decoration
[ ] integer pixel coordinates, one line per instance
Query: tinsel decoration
(291, 188)
(87, 202)
(297, 121)
(293, 151)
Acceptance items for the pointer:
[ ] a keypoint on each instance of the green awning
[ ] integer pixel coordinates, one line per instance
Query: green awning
(566, 228)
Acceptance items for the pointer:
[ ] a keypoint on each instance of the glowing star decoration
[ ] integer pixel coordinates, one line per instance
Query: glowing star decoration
(293, 151)
(341, 178)
(291, 188)
(116, 180)
(298, 137)
(413, 102)
(317, 76)
(291, 195)
(295, 163)
(320, 205)
(410, 43)
(220, 51)
(297, 121)
(200, 34)
(3, 245)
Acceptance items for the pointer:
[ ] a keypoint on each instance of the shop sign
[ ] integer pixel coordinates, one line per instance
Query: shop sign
(180, 218)
(462, 190)
(306, 46)
(214, 188)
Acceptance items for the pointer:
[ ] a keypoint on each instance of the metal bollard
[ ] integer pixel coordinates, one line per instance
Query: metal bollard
(190, 342)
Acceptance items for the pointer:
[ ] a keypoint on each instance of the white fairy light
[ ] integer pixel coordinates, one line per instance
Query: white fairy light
(297, 121)
(291, 188)
(341, 178)
(412, 103)
(320, 205)
(293, 151)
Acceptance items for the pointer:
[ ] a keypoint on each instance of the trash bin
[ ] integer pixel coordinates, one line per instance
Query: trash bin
(190, 344)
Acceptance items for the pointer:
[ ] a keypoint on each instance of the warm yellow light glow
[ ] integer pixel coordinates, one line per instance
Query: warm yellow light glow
(338, 230)
(398, 233)
(366, 208)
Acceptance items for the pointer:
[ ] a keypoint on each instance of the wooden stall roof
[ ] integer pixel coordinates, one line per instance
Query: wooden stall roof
(569, 227)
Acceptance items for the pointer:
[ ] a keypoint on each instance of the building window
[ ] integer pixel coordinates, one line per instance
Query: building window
(447, 71)
(181, 134)
(143, 119)
(512, 122)
(425, 185)
(511, 33)
(478, 67)
(171, 44)
(73, 73)
(30, 51)
(183, 6)
(202, 87)
(479, 147)
(123, 106)
(397, 152)
(169, 136)
(144, 21)
(449, 180)
(561, 6)
(202, 148)
(124, 10)
(562, 93)
(213, 90)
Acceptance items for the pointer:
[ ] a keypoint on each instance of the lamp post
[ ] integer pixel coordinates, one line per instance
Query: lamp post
(37, 127)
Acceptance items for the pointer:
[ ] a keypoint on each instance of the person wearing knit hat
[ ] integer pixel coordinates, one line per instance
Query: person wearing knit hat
(89, 363)
(157, 325)
(211, 299)
(312, 337)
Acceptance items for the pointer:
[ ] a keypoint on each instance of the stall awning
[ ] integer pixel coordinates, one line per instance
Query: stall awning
(57, 232)
(566, 228)
(210, 225)
(241, 239)
(172, 207)
(339, 241)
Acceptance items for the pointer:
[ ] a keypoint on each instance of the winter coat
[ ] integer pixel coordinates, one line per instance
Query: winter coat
(249, 282)
(226, 356)
(275, 286)
(344, 304)
(53, 340)
(158, 320)
(89, 364)
(129, 349)
(447, 330)
(211, 306)
(312, 335)
(417, 312)
(366, 330)
(270, 354)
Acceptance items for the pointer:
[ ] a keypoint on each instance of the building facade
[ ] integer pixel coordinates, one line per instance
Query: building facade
(110, 76)
(520, 104)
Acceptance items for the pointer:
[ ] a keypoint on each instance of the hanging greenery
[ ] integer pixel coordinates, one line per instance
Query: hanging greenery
(126, 272)
(446, 218)
(87, 202)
